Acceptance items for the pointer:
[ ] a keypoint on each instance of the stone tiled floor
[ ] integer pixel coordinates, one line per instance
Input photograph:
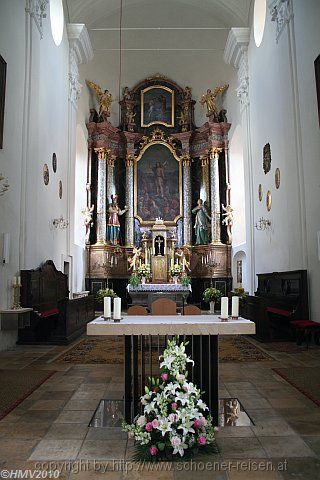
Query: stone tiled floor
(49, 430)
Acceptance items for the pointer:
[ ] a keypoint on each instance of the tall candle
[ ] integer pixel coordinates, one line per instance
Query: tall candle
(224, 307)
(19, 280)
(14, 280)
(117, 308)
(235, 306)
(107, 307)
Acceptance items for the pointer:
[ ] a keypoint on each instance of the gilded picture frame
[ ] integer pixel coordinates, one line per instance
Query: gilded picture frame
(157, 106)
(174, 177)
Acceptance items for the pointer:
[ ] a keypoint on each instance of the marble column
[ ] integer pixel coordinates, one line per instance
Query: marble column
(187, 220)
(205, 184)
(215, 196)
(129, 201)
(110, 178)
(101, 194)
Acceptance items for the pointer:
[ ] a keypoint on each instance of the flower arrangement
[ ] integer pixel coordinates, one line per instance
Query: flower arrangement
(211, 294)
(175, 422)
(105, 292)
(144, 270)
(134, 280)
(176, 270)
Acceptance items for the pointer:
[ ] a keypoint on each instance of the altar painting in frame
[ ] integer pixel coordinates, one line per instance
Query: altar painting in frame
(158, 185)
(157, 106)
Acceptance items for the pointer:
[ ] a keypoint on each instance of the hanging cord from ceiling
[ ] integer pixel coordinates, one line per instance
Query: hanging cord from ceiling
(120, 55)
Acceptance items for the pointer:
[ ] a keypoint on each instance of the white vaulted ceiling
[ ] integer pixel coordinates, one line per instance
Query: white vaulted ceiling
(151, 19)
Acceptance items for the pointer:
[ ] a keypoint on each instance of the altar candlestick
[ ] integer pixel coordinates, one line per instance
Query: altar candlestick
(117, 308)
(224, 307)
(235, 307)
(107, 307)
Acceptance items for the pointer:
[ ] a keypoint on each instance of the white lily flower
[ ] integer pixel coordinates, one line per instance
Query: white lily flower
(186, 427)
(164, 426)
(182, 397)
(179, 445)
(167, 361)
(202, 405)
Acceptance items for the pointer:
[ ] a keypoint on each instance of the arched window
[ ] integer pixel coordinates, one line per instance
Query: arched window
(57, 20)
(259, 20)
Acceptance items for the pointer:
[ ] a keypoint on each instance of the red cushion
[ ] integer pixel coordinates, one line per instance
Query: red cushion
(305, 323)
(279, 311)
(48, 313)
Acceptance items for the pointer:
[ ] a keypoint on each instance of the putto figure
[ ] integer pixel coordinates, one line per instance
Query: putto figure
(201, 223)
(113, 225)
(88, 212)
(104, 98)
(135, 259)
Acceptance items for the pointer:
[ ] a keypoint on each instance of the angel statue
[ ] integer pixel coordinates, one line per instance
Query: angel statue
(209, 99)
(126, 94)
(228, 220)
(105, 100)
(135, 259)
(183, 255)
(88, 212)
(184, 116)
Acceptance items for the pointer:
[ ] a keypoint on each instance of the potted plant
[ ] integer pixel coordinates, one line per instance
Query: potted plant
(134, 280)
(185, 280)
(211, 295)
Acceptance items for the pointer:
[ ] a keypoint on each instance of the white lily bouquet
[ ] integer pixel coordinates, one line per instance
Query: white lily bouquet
(175, 422)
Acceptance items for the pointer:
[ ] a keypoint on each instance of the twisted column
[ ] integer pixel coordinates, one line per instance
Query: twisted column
(215, 196)
(101, 194)
(187, 221)
(129, 201)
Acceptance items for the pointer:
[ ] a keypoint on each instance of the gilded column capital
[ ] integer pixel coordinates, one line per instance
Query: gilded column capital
(214, 153)
(186, 160)
(102, 152)
(130, 159)
(204, 159)
(111, 159)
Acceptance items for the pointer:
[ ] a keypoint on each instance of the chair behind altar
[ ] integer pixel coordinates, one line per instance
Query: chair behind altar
(163, 306)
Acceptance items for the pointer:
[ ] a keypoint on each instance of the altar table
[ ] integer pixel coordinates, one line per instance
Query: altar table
(149, 292)
(201, 331)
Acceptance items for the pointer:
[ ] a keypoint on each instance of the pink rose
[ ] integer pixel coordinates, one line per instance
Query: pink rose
(203, 421)
(217, 429)
(130, 435)
(141, 421)
(197, 423)
(155, 423)
(148, 427)
(172, 417)
(202, 440)
(174, 406)
(153, 451)
(164, 376)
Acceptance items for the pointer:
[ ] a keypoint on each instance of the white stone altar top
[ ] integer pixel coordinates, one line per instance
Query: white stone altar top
(171, 325)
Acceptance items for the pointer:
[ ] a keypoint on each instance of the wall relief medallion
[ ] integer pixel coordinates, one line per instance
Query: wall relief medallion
(266, 158)
(54, 162)
(260, 192)
(269, 200)
(45, 174)
(277, 178)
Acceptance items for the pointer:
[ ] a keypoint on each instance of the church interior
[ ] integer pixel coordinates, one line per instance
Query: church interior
(160, 239)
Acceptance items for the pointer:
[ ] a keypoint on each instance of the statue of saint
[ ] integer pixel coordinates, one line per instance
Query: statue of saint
(88, 212)
(113, 225)
(201, 223)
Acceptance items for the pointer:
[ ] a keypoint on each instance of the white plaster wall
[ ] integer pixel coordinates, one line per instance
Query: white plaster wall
(12, 34)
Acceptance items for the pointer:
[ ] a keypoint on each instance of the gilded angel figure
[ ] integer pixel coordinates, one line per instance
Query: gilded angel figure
(209, 99)
(104, 98)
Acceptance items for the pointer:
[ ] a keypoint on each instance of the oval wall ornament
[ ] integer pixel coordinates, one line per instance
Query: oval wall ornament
(46, 174)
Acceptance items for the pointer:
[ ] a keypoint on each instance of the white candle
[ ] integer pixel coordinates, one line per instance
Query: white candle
(224, 307)
(107, 307)
(19, 280)
(117, 308)
(14, 280)
(235, 306)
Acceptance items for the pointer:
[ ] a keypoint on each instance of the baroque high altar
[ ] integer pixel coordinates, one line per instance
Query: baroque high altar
(159, 183)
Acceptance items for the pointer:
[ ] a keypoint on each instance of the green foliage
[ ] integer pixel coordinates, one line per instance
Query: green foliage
(211, 295)
(185, 281)
(105, 292)
(176, 270)
(134, 280)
